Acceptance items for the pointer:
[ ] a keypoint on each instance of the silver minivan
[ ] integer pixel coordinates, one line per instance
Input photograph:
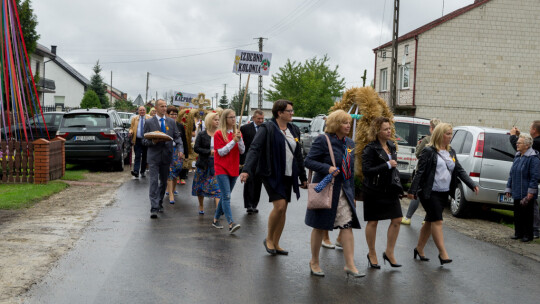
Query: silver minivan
(487, 155)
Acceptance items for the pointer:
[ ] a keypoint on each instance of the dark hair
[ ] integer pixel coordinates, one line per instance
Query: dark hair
(172, 109)
(280, 106)
(536, 125)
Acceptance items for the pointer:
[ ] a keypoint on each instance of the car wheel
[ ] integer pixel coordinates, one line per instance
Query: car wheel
(458, 204)
(119, 165)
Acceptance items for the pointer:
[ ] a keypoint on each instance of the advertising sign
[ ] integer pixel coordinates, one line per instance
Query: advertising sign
(184, 99)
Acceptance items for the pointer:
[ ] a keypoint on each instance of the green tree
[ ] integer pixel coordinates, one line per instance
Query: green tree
(124, 105)
(311, 86)
(90, 100)
(223, 102)
(28, 24)
(236, 102)
(98, 86)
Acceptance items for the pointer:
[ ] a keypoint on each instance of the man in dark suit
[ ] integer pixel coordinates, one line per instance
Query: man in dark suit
(252, 187)
(160, 154)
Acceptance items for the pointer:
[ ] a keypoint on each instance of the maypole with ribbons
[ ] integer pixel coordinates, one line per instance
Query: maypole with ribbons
(18, 93)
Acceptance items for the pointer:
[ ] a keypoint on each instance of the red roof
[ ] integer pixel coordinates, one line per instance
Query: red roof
(435, 23)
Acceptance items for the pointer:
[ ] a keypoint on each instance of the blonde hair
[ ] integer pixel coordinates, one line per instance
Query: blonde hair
(335, 119)
(434, 122)
(437, 136)
(223, 123)
(375, 127)
(208, 121)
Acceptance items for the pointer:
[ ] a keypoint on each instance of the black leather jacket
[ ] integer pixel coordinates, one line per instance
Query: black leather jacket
(377, 176)
(202, 147)
(424, 178)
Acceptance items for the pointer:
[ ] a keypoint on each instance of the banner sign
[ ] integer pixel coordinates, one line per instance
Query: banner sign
(251, 62)
(184, 99)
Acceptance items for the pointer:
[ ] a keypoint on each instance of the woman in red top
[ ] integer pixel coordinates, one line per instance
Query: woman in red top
(228, 145)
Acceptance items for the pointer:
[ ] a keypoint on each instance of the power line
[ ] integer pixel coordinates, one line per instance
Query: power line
(302, 10)
(382, 21)
(168, 58)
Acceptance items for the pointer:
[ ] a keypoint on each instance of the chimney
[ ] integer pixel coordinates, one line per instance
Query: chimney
(53, 49)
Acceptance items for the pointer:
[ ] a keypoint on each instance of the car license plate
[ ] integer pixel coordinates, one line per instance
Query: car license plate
(505, 200)
(402, 166)
(85, 138)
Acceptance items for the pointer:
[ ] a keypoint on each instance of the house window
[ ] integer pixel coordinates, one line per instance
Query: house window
(36, 72)
(384, 80)
(406, 50)
(404, 76)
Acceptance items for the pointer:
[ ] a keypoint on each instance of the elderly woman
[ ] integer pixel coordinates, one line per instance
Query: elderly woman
(276, 156)
(436, 177)
(342, 215)
(522, 186)
(205, 182)
(381, 198)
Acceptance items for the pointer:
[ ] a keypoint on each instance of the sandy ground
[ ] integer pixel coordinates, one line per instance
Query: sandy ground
(32, 240)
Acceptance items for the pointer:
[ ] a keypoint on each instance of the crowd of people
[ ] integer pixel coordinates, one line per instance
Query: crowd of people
(270, 154)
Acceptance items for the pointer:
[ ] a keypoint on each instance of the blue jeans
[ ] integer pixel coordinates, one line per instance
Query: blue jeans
(226, 184)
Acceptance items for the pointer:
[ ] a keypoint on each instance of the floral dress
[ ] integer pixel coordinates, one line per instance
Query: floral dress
(176, 164)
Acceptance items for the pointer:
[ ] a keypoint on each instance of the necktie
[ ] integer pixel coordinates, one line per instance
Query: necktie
(163, 125)
(256, 128)
(141, 127)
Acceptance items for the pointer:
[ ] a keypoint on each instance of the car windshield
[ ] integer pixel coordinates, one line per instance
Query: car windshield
(302, 124)
(85, 120)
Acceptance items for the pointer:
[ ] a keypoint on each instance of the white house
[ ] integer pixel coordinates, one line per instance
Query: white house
(37, 59)
(478, 65)
(70, 85)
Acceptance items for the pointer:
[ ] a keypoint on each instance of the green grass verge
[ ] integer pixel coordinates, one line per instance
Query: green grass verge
(16, 196)
(507, 217)
(74, 173)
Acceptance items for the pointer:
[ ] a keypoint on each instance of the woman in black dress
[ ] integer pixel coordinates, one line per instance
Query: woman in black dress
(381, 199)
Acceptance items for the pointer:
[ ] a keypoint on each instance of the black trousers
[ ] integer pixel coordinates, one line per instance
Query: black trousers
(183, 174)
(252, 191)
(140, 156)
(523, 219)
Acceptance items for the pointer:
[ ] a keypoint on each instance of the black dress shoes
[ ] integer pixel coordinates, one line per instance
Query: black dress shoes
(134, 173)
(515, 237)
(282, 252)
(249, 210)
(255, 210)
(526, 239)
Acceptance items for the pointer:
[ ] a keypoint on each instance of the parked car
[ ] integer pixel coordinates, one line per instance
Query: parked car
(303, 124)
(409, 130)
(487, 155)
(316, 128)
(95, 135)
(126, 118)
(36, 129)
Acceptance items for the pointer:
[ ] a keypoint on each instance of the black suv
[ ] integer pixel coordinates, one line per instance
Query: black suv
(95, 135)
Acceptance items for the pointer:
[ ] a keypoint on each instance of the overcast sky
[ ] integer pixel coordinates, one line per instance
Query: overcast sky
(189, 46)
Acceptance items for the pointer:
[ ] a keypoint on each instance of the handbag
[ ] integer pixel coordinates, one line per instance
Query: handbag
(322, 199)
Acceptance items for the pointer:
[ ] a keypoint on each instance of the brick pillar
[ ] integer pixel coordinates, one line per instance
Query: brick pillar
(41, 161)
(57, 138)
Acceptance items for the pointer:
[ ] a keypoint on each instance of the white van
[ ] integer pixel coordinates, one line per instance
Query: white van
(409, 130)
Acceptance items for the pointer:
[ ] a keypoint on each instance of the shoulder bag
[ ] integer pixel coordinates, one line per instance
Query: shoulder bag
(322, 199)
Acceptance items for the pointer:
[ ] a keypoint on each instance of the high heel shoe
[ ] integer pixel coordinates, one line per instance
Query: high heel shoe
(444, 261)
(422, 258)
(385, 258)
(376, 266)
(316, 273)
(357, 274)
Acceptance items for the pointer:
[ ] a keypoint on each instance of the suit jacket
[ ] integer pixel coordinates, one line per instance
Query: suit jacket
(135, 125)
(161, 152)
(248, 134)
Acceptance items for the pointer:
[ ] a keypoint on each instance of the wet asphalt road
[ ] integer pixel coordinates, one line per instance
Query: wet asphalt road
(125, 257)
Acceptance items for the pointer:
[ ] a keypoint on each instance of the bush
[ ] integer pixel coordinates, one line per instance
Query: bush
(90, 100)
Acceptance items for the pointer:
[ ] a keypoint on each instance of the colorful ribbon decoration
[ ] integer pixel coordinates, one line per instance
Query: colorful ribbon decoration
(19, 98)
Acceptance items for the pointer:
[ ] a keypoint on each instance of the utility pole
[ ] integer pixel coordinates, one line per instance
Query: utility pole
(111, 90)
(394, 66)
(147, 78)
(217, 101)
(260, 76)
